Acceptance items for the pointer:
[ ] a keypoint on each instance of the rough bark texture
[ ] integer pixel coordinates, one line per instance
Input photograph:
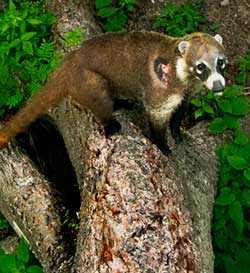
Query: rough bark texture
(31, 206)
(140, 211)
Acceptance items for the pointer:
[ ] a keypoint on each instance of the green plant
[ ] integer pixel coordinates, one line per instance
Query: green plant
(179, 20)
(231, 224)
(244, 74)
(73, 37)
(19, 263)
(114, 13)
(4, 225)
(27, 53)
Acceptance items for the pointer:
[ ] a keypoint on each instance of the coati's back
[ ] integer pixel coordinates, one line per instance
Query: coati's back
(122, 58)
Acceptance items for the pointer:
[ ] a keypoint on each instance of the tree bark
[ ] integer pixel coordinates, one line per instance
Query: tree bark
(140, 212)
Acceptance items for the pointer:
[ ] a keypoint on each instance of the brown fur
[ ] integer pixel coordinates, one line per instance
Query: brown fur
(111, 65)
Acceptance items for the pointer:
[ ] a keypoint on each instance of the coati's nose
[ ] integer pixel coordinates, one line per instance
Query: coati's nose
(218, 86)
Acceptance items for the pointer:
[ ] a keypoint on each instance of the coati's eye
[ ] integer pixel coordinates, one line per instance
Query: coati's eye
(221, 63)
(200, 68)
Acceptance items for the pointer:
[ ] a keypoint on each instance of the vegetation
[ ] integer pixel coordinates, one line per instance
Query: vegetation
(114, 13)
(73, 37)
(27, 53)
(22, 262)
(231, 224)
(4, 226)
(179, 20)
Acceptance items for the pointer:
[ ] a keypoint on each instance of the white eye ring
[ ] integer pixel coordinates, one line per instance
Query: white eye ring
(221, 63)
(200, 68)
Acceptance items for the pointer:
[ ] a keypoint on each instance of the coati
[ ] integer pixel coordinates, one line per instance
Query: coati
(146, 66)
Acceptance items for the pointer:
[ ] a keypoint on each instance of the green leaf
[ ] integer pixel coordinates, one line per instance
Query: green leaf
(198, 113)
(8, 263)
(2, 252)
(27, 47)
(102, 3)
(232, 91)
(247, 174)
(34, 21)
(220, 238)
(239, 106)
(225, 106)
(226, 197)
(245, 197)
(243, 260)
(11, 5)
(241, 138)
(237, 162)
(196, 102)
(14, 43)
(48, 19)
(230, 265)
(27, 36)
(34, 269)
(218, 125)
(236, 214)
(106, 12)
(232, 122)
(207, 108)
(23, 252)
(116, 22)
(214, 26)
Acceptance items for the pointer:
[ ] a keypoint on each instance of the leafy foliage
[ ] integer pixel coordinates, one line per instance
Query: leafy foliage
(19, 263)
(231, 225)
(179, 20)
(3, 223)
(114, 13)
(73, 37)
(27, 54)
(244, 76)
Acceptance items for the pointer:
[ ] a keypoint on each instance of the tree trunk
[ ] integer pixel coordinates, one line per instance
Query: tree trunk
(140, 212)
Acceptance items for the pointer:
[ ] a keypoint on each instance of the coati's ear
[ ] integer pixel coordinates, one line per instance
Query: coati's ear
(182, 46)
(218, 38)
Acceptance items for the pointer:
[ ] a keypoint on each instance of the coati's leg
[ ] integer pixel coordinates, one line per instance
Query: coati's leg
(94, 93)
(175, 123)
(176, 119)
(158, 135)
(160, 115)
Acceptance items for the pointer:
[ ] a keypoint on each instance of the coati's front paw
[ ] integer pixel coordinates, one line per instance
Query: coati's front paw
(112, 127)
(165, 150)
(3, 141)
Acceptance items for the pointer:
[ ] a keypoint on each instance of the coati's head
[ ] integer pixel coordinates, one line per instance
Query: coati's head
(202, 58)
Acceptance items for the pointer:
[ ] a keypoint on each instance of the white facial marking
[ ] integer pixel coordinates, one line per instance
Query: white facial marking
(218, 38)
(203, 62)
(181, 69)
(215, 76)
(162, 112)
(199, 71)
(182, 46)
(218, 59)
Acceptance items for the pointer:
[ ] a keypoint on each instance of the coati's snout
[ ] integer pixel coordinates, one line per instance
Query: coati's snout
(205, 60)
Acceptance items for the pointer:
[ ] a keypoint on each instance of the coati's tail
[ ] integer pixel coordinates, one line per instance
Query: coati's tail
(51, 93)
